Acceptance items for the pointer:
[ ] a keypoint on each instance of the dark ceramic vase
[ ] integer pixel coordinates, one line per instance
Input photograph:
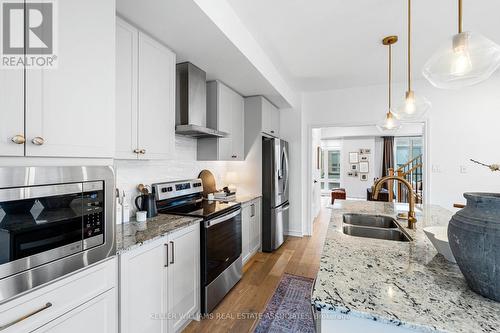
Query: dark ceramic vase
(474, 236)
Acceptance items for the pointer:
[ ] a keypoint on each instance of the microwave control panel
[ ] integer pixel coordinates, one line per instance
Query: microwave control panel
(93, 218)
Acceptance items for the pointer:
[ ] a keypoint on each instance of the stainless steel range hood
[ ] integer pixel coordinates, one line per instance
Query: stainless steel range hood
(191, 103)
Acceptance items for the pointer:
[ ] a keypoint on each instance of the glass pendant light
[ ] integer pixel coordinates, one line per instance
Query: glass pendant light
(413, 107)
(391, 122)
(467, 59)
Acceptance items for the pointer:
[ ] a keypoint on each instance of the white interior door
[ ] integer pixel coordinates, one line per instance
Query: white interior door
(330, 170)
(316, 193)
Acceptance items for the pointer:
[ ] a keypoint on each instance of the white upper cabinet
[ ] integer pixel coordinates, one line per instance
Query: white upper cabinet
(225, 112)
(127, 51)
(261, 117)
(270, 118)
(70, 109)
(12, 112)
(156, 131)
(145, 96)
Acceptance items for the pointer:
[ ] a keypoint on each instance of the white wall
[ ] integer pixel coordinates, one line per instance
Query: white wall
(355, 187)
(462, 124)
(291, 130)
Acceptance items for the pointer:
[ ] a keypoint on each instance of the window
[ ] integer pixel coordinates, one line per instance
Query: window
(406, 149)
(330, 169)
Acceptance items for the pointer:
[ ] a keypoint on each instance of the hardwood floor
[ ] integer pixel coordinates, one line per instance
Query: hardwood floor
(239, 310)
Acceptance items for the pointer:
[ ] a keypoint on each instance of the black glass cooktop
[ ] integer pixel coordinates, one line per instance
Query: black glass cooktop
(203, 208)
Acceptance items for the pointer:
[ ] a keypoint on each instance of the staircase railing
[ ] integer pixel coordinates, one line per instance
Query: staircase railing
(412, 172)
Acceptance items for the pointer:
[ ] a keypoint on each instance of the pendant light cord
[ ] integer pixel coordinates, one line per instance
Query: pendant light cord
(460, 14)
(390, 76)
(409, 45)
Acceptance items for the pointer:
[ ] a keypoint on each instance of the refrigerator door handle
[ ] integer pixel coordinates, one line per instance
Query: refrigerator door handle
(285, 187)
(284, 207)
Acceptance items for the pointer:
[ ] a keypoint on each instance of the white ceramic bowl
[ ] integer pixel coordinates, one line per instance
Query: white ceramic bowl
(439, 238)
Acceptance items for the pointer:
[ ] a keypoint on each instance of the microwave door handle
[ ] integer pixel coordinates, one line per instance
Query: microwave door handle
(223, 218)
(35, 192)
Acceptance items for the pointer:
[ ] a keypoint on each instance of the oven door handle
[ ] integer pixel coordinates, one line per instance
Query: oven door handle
(223, 218)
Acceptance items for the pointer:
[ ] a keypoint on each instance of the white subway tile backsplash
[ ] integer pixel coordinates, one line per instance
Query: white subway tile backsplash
(130, 173)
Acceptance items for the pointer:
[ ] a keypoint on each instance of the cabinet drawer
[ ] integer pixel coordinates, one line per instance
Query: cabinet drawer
(99, 315)
(37, 308)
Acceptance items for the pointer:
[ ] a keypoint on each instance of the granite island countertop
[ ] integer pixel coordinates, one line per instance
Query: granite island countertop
(132, 235)
(399, 283)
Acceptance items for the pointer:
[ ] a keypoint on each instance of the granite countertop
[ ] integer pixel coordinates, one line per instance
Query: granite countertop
(242, 199)
(132, 235)
(400, 283)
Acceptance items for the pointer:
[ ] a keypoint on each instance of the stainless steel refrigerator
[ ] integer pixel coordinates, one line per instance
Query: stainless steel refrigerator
(275, 188)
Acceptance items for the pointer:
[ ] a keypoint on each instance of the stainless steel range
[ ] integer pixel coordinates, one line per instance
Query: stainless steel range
(221, 262)
(53, 221)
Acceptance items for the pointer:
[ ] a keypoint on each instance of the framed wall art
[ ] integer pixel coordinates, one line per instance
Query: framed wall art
(354, 157)
(364, 167)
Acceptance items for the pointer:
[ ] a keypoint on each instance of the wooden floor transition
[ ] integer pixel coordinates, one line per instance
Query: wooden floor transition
(239, 310)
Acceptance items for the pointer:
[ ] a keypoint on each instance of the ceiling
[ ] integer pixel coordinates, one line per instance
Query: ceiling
(331, 44)
(183, 26)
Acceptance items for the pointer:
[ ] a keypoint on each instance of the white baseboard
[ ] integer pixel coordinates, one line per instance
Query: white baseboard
(294, 233)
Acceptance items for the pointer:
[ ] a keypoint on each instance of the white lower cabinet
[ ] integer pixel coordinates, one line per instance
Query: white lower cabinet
(83, 302)
(250, 228)
(96, 316)
(159, 283)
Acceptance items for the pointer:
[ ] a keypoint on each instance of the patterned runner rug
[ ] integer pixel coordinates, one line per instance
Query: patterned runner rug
(289, 310)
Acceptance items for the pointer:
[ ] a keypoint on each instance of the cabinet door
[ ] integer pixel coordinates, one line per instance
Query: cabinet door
(11, 112)
(255, 226)
(238, 128)
(71, 108)
(143, 288)
(184, 277)
(126, 90)
(225, 121)
(156, 100)
(97, 316)
(267, 110)
(245, 232)
(275, 121)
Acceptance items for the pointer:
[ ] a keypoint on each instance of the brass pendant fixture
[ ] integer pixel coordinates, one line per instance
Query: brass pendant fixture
(413, 107)
(391, 122)
(467, 59)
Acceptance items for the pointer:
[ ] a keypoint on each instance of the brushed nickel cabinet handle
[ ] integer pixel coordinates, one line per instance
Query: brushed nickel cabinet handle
(137, 151)
(18, 139)
(142, 151)
(234, 156)
(166, 248)
(173, 253)
(38, 140)
(26, 316)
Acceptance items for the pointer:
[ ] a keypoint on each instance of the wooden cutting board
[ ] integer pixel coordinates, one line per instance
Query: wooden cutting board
(208, 180)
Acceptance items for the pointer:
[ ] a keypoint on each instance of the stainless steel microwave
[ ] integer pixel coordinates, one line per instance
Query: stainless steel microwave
(53, 221)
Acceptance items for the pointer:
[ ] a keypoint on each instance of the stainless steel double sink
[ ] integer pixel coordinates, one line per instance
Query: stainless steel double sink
(374, 226)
